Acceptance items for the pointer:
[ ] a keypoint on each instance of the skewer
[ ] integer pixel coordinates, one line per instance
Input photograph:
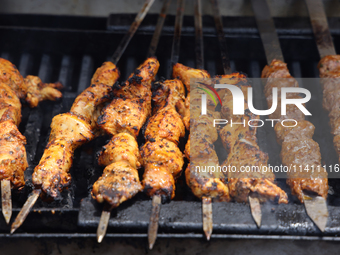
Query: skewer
(158, 30)
(115, 58)
(316, 207)
(221, 37)
(6, 200)
(154, 217)
(25, 210)
(133, 28)
(253, 202)
(156, 200)
(199, 36)
(207, 216)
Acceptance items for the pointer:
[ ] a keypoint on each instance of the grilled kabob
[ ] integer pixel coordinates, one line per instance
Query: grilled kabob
(299, 150)
(160, 155)
(71, 130)
(13, 87)
(123, 119)
(329, 68)
(241, 145)
(200, 146)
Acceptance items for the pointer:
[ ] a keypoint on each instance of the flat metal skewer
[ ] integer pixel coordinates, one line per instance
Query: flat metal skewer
(253, 202)
(207, 216)
(199, 49)
(133, 28)
(104, 222)
(221, 37)
(156, 200)
(316, 208)
(154, 218)
(160, 22)
(25, 210)
(177, 34)
(6, 200)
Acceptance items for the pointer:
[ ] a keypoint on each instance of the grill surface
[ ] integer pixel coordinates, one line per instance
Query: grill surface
(69, 49)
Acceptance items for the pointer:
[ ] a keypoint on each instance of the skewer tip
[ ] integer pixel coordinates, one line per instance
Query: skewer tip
(154, 218)
(25, 210)
(6, 200)
(103, 223)
(317, 210)
(255, 208)
(207, 217)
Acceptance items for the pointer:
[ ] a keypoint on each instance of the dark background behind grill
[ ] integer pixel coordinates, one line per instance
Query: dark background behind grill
(69, 49)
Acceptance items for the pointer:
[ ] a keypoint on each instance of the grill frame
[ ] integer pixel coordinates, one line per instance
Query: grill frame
(69, 49)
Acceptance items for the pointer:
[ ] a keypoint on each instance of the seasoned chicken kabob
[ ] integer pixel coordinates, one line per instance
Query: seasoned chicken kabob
(68, 132)
(299, 150)
(160, 156)
(13, 161)
(123, 119)
(207, 186)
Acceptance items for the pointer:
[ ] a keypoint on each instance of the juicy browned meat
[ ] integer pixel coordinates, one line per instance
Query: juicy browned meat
(71, 130)
(31, 89)
(13, 86)
(123, 118)
(241, 144)
(161, 158)
(298, 147)
(202, 138)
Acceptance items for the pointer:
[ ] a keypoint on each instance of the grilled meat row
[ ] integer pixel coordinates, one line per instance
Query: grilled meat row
(298, 147)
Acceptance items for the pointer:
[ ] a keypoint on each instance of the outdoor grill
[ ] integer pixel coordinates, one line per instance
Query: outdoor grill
(69, 49)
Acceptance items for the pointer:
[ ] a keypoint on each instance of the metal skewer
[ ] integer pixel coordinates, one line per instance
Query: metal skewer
(156, 199)
(253, 202)
(221, 37)
(6, 200)
(104, 220)
(316, 207)
(158, 30)
(207, 216)
(133, 28)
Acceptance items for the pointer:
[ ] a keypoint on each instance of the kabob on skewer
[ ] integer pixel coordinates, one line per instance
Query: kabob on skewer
(160, 156)
(123, 118)
(13, 161)
(299, 150)
(69, 131)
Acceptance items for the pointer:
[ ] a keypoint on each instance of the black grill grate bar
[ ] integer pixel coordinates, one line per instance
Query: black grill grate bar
(86, 73)
(25, 61)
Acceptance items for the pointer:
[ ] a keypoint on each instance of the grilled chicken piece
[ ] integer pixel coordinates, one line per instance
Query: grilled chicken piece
(71, 130)
(13, 87)
(123, 119)
(31, 89)
(298, 147)
(202, 138)
(161, 158)
(241, 144)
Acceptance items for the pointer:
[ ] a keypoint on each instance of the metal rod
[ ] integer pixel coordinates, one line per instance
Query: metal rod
(6, 199)
(221, 37)
(177, 34)
(25, 210)
(133, 28)
(266, 26)
(199, 48)
(320, 28)
(160, 22)
(103, 223)
(207, 217)
(154, 218)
